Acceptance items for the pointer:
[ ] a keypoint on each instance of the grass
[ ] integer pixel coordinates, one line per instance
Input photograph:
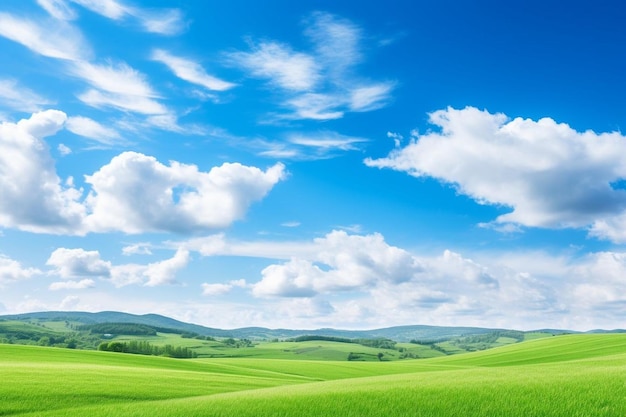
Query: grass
(572, 375)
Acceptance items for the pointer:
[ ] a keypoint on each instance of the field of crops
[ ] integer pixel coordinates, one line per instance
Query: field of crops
(571, 375)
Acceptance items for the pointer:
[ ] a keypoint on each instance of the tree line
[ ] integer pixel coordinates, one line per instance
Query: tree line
(379, 343)
(141, 347)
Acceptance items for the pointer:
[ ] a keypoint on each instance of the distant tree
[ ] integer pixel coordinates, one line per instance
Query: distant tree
(380, 356)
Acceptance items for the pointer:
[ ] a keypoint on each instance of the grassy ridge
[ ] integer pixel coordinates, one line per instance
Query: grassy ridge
(581, 375)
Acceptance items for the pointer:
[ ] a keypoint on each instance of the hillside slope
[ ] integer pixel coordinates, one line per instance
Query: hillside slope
(586, 379)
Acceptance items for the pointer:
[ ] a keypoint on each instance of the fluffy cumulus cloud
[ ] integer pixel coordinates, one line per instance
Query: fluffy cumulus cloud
(12, 271)
(33, 196)
(547, 173)
(134, 193)
(322, 83)
(342, 262)
(78, 263)
(153, 274)
(78, 268)
(361, 279)
(602, 287)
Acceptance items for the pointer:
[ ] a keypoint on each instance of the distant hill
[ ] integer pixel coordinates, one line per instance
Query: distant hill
(397, 333)
(153, 320)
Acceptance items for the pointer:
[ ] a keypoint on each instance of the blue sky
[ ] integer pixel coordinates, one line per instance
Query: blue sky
(315, 164)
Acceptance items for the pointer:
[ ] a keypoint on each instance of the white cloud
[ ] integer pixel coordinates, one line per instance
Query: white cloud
(137, 249)
(221, 289)
(69, 303)
(611, 227)
(114, 78)
(54, 39)
(170, 123)
(11, 271)
(287, 69)
(217, 244)
(72, 285)
(136, 193)
(118, 86)
(326, 141)
(124, 102)
(291, 224)
(342, 263)
(33, 197)
(161, 21)
(316, 106)
(337, 41)
(63, 149)
(89, 128)
(190, 71)
(370, 97)
(153, 274)
(72, 264)
(109, 8)
(20, 98)
(322, 84)
(164, 272)
(59, 9)
(549, 174)
(310, 145)
(78, 263)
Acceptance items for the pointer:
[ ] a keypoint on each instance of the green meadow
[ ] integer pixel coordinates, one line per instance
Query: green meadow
(568, 375)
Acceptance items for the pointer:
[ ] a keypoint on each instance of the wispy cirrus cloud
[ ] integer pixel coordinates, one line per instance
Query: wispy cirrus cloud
(285, 68)
(311, 145)
(59, 9)
(320, 84)
(89, 128)
(190, 71)
(114, 85)
(119, 86)
(160, 21)
(154, 20)
(20, 98)
(50, 38)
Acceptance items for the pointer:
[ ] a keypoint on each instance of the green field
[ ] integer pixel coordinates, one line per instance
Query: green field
(569, 375)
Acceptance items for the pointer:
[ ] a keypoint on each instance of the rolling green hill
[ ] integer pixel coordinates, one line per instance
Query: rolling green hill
(158, 335)
(570, 375)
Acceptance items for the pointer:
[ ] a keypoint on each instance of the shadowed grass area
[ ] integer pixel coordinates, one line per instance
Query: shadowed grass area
(578, 375)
